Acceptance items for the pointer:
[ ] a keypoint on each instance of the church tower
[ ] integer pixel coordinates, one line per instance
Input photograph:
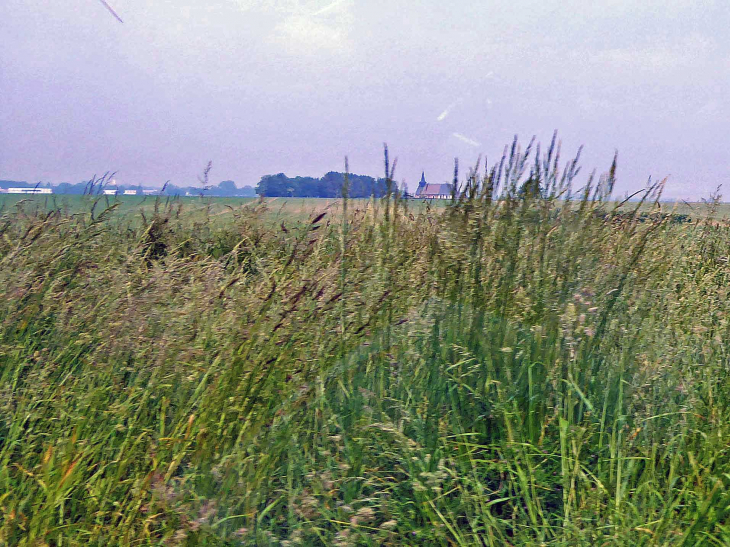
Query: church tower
(421, 184)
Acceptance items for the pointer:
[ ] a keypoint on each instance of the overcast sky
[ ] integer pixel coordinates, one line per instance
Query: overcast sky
(268, 86)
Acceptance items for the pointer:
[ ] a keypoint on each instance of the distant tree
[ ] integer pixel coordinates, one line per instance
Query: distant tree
(248, 191)
(227, 188)
(303, 187)
(171, 190)
(273, 185)
(329, 186)
(68, 188)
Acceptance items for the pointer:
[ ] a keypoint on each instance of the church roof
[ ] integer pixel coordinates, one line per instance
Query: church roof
(433, 190)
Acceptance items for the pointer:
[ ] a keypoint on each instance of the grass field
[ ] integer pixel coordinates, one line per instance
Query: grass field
(134, 208)
(513, 371)
(278, 208)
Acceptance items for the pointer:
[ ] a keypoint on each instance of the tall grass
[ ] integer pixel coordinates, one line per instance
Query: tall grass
(524, 366)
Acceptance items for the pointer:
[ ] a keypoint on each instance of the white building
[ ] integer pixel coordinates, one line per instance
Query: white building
(30, 191)
(130, 192)
(111, 192)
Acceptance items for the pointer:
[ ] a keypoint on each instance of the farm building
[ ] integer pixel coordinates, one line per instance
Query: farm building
(432, 191)
(30, 191)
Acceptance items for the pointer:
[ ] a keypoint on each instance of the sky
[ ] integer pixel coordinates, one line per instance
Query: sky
(267, 86)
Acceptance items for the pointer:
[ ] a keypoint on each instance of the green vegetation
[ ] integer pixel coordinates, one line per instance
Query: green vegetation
(329, 186)
(97, 185)
(127, 208)
(528, 370)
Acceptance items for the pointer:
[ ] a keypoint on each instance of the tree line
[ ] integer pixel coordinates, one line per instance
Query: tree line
(328, 186)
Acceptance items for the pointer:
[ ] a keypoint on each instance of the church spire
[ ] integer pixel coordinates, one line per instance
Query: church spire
(421, 184)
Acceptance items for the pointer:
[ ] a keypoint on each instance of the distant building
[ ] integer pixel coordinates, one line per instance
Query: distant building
(149, 192)
(130, 192)
(30, 191)
(432, 191)
(111, 192)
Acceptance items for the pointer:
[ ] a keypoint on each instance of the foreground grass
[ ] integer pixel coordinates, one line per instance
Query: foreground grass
(527, 370)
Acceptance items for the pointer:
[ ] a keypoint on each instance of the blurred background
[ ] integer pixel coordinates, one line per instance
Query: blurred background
(268, 86)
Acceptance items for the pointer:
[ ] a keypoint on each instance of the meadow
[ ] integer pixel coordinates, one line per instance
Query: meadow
(533, 363)
(193, 209)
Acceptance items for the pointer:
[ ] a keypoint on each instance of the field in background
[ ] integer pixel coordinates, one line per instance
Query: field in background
(283, 209)
(192, 208)
(511, 371)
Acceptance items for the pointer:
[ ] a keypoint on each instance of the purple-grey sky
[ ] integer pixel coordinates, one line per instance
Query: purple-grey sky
(267, 86)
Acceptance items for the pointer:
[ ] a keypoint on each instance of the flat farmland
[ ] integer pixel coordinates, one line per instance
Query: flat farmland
(293, 208)
(277, 372)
